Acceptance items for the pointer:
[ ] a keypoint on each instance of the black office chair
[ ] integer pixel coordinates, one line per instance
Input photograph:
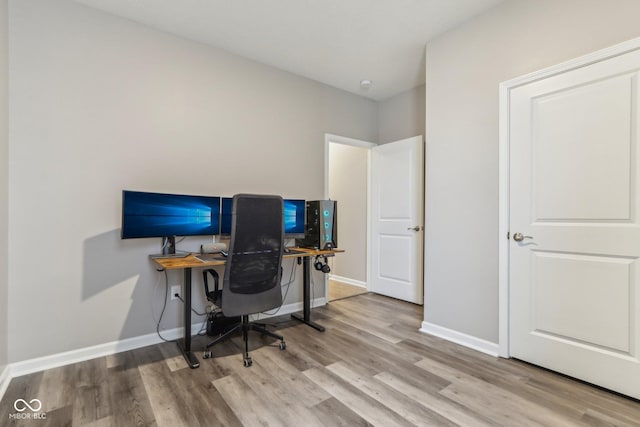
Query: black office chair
(253, 271)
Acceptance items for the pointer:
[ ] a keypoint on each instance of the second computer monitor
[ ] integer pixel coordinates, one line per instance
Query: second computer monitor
(294, 216)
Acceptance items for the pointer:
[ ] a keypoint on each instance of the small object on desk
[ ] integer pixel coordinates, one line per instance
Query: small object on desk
(212, 248)
(210, 257)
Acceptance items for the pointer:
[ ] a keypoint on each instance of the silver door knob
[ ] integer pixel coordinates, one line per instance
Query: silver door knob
(416, 228)
(519, 237)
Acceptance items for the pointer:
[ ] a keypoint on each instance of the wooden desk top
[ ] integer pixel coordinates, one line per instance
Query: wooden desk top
(190, 261)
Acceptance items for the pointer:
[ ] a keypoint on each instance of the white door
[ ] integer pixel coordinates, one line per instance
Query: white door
(397, 219)
(574, 274)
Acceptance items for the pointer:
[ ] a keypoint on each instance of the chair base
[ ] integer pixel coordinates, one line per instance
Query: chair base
(245, 326)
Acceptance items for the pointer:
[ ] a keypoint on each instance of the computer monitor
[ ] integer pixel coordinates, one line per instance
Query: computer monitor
(294, 217)
(168, 215)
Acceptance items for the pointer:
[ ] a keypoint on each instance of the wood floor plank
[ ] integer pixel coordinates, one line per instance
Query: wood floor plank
(294, 384)
(595, 418)
(380, 328)
(503, 374)
(170, 409)
(361, 404)
(494, 402)
(277, 389)
(395, 401)
(371, 367)
(102, 422)
(205, 402)
(378, 357)
(447, 408)
(315, 347)
(339, 290)
(128, 396)
(57, 388)
(250, 408)
(334, 413)
(92, 401)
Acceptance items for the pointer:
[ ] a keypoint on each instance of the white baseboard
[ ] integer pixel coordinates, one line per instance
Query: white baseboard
(460, 338)
(348, 281)
(5, 379)
(60, 359)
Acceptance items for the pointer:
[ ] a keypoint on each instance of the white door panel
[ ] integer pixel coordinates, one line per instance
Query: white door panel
(574, 285)
(396, 209)
(599, 317)
(592, 142)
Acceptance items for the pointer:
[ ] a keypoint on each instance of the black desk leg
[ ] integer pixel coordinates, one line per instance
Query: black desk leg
(185, 343)
(306, 296)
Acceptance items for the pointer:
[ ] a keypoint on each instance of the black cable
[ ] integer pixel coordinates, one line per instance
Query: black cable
(203, 329)
(164, 306)
(192, 309)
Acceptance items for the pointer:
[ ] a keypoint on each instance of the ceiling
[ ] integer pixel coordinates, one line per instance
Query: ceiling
(336, 42)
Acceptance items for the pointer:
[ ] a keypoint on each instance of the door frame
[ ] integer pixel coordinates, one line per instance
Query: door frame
(504, 169)
(337, 139)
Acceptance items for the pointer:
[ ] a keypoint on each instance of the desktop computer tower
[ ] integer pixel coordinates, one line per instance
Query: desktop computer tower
(321, 227)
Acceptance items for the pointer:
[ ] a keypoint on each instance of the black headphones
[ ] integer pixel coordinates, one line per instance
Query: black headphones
(321, 266)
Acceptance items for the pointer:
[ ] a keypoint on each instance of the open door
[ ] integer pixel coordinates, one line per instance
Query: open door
(397, 171)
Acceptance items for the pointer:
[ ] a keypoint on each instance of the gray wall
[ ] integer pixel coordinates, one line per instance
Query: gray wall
(4, 184)
(100, 104)
(464, 68)
(401, 116)
(348, 185)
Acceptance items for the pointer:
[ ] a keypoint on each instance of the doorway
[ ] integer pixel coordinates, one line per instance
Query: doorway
(378, 189)
(347, 181)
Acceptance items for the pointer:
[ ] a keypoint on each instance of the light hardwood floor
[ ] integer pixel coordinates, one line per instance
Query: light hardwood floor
(370, 367)
(339, 290)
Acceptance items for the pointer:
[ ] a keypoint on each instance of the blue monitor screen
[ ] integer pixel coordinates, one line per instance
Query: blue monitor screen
(294, 215)
(160, 215)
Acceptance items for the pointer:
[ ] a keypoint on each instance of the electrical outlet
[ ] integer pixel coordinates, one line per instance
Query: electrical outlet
(175, 290)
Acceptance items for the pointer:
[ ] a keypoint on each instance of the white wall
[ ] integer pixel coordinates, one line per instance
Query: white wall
(4, 185)
(464, 68)
(99, 104)
(348, 185)
(401, 116)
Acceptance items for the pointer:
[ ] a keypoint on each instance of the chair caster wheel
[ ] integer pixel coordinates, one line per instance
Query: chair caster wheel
(206, 354)
(283, 345)
(248, 362)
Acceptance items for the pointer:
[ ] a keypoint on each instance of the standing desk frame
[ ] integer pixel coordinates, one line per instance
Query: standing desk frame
(190, 262)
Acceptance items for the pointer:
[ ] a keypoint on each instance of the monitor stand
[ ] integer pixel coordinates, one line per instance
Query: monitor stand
(169, 249)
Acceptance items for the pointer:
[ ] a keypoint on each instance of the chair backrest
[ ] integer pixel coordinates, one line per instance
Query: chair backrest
(252, 274)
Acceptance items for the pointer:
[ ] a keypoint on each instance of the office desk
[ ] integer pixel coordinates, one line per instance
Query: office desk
(190, 262)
